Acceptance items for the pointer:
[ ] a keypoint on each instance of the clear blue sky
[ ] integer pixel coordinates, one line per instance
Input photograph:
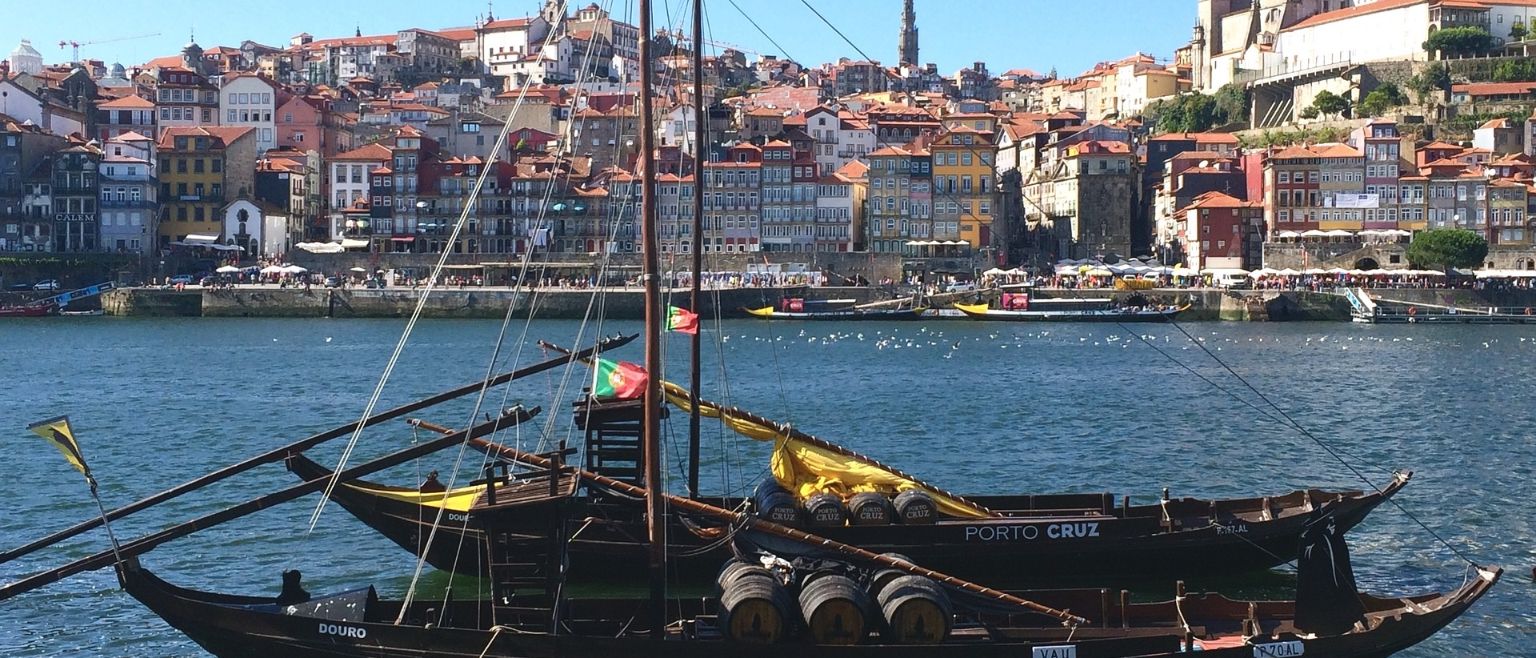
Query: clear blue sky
(1070, 35)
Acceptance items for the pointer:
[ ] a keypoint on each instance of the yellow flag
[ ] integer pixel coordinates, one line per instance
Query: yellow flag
(58, 432)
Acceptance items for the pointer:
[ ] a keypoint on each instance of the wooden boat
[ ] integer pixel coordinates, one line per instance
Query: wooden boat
(1127, 283)
(1328, 618)
(28, 311)
(1036, 314)
(1023, 539)
(810, 311)
(84, 314)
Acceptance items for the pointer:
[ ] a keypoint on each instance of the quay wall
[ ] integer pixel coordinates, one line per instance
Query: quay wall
(1204, 303)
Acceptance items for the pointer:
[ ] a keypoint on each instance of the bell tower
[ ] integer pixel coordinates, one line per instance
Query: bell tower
(907, 47)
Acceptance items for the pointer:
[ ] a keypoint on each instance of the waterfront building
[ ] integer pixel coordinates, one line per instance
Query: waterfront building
(891, 218)
(1381, 146)
(963, 194)
(250, 101)
(732, 201)
(1292, 200)
(26, 206)
(1087, 199)
(129, 193)
(1506, 213)
(129, 114)
(201, 169)
(1341, 173)
(348, 182)
(1219, 231)
(840, 208)
(75, 197)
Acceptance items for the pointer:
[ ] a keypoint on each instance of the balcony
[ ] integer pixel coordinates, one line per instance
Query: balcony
(125, 203)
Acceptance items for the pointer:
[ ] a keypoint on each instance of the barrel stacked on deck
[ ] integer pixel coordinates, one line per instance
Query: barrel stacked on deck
(836, 604)
(830, 510)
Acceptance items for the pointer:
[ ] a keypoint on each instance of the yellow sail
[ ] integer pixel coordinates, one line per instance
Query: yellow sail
(807, 469)
(454, 500)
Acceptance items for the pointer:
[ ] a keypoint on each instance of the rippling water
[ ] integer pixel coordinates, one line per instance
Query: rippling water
(972, 406)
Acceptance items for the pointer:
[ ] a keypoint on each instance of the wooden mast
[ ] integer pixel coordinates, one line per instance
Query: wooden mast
(697, 242)
(650, 267)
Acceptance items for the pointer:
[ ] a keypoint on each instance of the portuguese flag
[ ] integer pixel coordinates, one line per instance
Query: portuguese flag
(682, 320)
(619, 380)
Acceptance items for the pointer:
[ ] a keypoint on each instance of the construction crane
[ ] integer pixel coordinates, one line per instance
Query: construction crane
(76, 44)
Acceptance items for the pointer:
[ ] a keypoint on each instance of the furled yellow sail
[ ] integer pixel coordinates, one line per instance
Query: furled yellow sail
(454, 500)
(806, 468)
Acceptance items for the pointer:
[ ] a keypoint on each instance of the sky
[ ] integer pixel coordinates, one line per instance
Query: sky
(1068, 35)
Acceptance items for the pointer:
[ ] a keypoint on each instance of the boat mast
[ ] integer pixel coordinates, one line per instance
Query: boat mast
(697, 242)
(650, 267)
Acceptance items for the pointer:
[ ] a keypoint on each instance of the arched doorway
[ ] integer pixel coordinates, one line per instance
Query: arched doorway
(1367, 264)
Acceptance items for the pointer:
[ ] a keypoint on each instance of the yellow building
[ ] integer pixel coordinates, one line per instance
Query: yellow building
(964, 203)
(201, 170)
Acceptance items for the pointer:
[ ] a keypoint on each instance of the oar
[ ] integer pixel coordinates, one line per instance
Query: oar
(771, 528)
(792, 433)
(144, 544)
(300, 446)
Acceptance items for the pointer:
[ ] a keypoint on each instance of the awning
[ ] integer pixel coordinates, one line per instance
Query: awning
(409, 238)
(198, 237)
(348, 243)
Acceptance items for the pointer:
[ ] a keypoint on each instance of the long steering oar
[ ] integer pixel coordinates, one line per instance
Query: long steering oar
(300, 446)
(771, 528)
(144, 544)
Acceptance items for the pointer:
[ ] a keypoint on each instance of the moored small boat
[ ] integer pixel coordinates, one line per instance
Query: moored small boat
(28, 311)
(1108, 314)
(809, 312)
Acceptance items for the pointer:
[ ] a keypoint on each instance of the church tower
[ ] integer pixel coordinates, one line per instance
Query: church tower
(907, 49)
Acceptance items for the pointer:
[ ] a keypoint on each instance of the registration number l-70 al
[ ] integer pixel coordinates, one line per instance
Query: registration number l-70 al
(1279, 649)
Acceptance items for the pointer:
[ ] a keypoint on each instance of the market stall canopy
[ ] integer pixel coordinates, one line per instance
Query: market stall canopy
(320, 247)
(227, 269)
(1287, 234)
(272, 269)
(359, 269)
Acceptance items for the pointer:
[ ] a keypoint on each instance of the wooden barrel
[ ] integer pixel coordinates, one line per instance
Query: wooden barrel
(775, 503)
(916, 611)
(870, 508)
(736, 568)
(836, 611)
(825, 510)
(754, 607)
(883, 577)
(916, 507)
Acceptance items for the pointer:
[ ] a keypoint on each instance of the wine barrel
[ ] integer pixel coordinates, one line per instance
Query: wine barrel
(775, 503)
(754, 607)
(870, 508)
(883, 577)
(735, 568)
(916, 507)
(916, 611)
(825, 510)
(836, 611)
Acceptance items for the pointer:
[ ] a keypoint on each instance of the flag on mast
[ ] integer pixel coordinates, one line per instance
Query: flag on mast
(58, 432)
(682, 320)
(618, 380)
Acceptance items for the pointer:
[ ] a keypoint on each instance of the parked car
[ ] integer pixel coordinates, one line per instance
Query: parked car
(374, 283)
(967, 286)
(21, 286)
(181, 279)
(50, 284)
(332, 282)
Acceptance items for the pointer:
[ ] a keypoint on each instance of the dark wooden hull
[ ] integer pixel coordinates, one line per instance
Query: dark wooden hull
(1115, 315)
(1031, 548)
(250, 627)
(27, 311)
(870, 315)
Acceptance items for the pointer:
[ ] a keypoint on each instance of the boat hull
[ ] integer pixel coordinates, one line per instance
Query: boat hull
(1094, 315)
(1087, 538)
(27, 311)
(252, 627)
(871, 315)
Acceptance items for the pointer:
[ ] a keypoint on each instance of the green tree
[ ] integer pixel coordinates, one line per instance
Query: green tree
(1232, 103)
(1461, 41)
(1309, 112)
(1328, 103)
(1381, 99)
(1447, 248)
(1517, 30)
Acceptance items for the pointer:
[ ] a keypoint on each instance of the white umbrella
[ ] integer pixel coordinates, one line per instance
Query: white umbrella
(1287, 234)
(359, 269)
(1288, 272)
(227, 269)
(294, 269)
(273, 269)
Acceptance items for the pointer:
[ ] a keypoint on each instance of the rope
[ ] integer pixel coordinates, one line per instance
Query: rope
(1321, 444)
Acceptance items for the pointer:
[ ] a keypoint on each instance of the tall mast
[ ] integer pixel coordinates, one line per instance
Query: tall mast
(649, 273)
(697, 242)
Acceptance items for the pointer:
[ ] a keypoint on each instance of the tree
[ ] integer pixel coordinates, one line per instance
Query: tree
(1232, 103)
(1309, 112)
(1447, 248)
(1461, 41)
(1517, 30)
(1434, 79)
(1330, 104)
(1381, 99)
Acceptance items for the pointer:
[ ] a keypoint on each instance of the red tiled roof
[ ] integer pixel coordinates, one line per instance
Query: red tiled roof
(374, 151)
(127, 103)
(1494, 88)
(222, 134)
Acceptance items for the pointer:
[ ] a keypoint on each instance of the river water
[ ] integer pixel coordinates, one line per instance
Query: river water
(974, 407)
